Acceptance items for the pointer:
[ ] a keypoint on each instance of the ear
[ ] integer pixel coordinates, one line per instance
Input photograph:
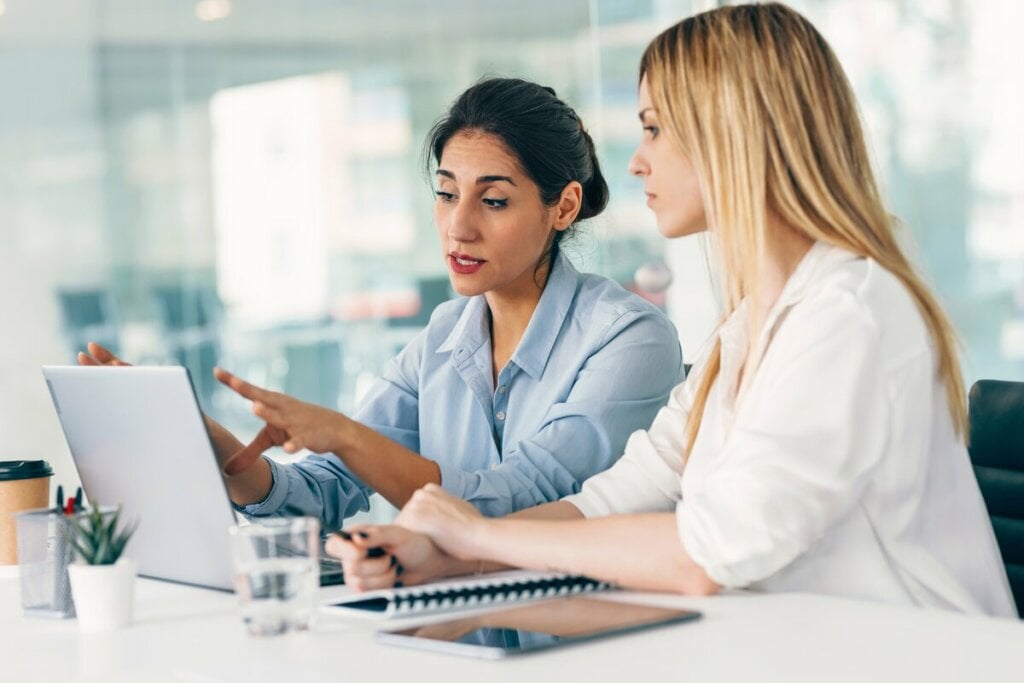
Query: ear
(568, 207)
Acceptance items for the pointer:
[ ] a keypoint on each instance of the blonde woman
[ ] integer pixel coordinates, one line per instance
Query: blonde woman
(818, 444)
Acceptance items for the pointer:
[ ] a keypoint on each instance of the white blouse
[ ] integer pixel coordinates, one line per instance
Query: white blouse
(836, 470)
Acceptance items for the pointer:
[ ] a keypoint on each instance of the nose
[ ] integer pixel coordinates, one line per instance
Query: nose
(638, 165)
(461, 225)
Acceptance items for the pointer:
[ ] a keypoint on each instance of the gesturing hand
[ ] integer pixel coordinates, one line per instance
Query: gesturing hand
(98, 355)
(233, 456)
(450, 522)
(291, 423)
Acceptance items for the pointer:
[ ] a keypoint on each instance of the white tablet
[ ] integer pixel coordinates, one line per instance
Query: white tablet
(535, 626)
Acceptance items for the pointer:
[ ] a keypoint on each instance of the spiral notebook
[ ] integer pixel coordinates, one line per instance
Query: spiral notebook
(478, 591)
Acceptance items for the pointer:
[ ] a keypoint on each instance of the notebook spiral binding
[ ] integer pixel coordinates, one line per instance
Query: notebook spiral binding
(456, 597)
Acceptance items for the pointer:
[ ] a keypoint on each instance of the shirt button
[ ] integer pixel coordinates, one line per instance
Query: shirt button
(500, 415)
(494, 466)
(502, 389)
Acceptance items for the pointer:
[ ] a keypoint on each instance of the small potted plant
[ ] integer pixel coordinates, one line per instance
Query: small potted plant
(102, 582)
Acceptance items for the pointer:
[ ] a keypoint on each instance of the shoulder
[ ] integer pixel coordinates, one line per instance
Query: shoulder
(857, 297)
(602, 303)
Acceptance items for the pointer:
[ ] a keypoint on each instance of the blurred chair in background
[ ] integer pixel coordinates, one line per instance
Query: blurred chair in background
(314, 371)
(88, 314)
(189, 316)
(432, 291)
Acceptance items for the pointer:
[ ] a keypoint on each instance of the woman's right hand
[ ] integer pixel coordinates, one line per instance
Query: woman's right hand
(410, 558)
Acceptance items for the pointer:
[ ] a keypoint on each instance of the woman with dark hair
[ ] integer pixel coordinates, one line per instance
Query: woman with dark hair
(513, 394)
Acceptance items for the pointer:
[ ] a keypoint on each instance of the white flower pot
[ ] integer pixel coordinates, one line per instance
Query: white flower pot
(104, 594)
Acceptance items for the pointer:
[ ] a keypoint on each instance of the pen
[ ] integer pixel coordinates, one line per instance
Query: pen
(78, 499)
(370, 552)
(60, 497)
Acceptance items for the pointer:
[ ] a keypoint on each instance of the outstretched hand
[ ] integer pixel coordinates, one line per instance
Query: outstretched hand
(291, 423)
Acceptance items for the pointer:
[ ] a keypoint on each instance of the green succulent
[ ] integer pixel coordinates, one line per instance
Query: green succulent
(94, 535)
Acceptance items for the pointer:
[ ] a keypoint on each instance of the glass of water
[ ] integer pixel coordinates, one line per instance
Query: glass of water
(276, 573)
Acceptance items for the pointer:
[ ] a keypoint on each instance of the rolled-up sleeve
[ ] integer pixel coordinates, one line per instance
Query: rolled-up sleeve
(806, 437)
(319, 486)
(619, 389)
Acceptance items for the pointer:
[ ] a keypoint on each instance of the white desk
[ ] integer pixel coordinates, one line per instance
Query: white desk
(188, 635)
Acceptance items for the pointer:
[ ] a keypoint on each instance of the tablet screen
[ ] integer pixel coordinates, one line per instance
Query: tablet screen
(535, 626)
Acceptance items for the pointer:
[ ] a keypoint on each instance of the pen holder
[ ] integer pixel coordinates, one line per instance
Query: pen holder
(44, 553)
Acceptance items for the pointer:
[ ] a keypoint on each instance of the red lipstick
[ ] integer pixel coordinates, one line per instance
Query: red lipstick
(464, 264)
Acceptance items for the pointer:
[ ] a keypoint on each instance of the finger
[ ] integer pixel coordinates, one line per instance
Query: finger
(103, 355)
(362, 584)
(376, 535)
(351, 548)
(370, 568)
(240, 386)
(268, 415)
(242, 460)
(86, 359)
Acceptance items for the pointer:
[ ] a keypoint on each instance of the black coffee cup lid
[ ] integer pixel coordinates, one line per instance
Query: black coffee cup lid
(24, 469)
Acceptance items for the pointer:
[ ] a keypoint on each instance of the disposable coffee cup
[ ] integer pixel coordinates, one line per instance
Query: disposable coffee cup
(24, 485)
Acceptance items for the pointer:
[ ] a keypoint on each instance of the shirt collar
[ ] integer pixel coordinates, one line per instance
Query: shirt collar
(534, 349)
(821, 257)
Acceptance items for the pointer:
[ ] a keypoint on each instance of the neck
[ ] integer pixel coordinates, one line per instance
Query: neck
(784, 249)
(512, 307)
(511, 310)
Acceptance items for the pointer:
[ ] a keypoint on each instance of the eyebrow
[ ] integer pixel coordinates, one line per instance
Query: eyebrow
(643, 112)
(479, 181)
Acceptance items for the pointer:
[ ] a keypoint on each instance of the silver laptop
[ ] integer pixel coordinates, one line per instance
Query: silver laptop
(138, 440)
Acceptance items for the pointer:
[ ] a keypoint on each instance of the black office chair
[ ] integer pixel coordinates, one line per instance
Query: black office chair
(996, 445)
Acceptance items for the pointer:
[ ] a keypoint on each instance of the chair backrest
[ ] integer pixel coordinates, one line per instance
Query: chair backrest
(996, 445)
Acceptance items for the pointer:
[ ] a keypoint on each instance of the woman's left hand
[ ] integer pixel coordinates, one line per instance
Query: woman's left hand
(450, 522)
(294, 424)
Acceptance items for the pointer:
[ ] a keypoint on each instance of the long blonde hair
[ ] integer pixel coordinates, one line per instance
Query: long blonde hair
(756, 99)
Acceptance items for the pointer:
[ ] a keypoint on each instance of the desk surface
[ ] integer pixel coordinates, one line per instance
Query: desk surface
(188, 635)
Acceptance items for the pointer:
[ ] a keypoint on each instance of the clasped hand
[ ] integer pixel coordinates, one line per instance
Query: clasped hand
(434, 536)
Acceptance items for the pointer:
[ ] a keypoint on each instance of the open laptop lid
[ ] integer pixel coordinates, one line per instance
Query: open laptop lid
(138, 439)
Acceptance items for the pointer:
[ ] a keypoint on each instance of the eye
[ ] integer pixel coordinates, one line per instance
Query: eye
(652, 130)
(444, 196)
(495, 203)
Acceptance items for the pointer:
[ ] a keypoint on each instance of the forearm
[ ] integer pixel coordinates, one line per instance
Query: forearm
(224, 442)
(384, 465)
(557, 511)
(634, 551)
(251, 485)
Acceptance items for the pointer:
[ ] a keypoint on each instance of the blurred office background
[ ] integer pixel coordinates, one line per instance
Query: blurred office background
(239, 182)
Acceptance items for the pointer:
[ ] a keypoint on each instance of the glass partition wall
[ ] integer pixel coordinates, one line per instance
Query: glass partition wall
(240, 182)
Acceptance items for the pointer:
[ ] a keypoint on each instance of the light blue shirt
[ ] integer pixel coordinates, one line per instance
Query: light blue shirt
(595, 364)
